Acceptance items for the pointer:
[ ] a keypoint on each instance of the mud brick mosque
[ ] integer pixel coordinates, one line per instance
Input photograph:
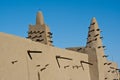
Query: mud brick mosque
(35, 57)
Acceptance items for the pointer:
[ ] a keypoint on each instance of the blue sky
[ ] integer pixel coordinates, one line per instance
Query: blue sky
(68, 20)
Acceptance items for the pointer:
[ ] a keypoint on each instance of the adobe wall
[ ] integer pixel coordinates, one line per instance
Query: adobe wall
(40, 34)
(112, 72)
(92, 58)
(22, 59)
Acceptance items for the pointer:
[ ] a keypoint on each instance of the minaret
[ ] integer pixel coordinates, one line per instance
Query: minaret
(39, 19)
(94, 40)
(40, 32)
(94, 37)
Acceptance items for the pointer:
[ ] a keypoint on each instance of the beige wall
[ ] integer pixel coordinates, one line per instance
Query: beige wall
(101, 66)
(111, 71)
(41, 33)
(16, 64)
(92, 58)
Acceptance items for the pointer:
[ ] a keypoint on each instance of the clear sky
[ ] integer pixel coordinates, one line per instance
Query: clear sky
(68, 20)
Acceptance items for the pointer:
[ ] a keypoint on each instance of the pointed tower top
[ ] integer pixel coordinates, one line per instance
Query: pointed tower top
(93, 20)
(39, 18)
(93, 24)
(94, 37)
